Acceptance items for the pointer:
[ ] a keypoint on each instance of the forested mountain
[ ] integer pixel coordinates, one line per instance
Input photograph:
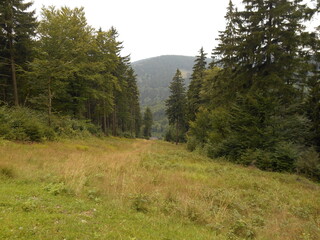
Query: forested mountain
(155, 74)
(257, 103)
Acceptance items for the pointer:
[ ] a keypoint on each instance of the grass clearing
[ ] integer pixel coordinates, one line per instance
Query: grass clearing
(138, 189)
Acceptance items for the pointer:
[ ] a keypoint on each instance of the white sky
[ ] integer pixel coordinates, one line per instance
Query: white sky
(152, 28)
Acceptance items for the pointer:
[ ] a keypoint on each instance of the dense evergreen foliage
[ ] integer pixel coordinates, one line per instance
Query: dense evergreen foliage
(147, 123)
(17, 29)
(154, 76)
(259, 100)
(64, 67)
(176, 108)
(193, 94)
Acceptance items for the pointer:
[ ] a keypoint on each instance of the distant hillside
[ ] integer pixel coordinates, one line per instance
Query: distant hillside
(154, 77)
(155, 74)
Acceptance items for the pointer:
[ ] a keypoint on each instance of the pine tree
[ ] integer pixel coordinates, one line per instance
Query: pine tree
(133, 102)
(312, 104)
(120, 109)
(147, 123)
(271, 45)
(101, 96)
(262, 48)
(176, 105)
(261, 87)
(197, 78)
(225, 55)
(17, 27)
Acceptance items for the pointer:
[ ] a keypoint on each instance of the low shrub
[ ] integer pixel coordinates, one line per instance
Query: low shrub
(279, 159)
(140, 203)
(6, 172)
(24, 124)
(56, 188)
(308, 164)
(171, 135)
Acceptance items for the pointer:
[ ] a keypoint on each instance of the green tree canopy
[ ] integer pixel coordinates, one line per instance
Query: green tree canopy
(147, 123)
(17, 29)
(176, 105)
(197, 78)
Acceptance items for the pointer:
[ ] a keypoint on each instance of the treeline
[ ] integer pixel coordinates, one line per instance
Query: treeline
(62, 66)
(259, 101)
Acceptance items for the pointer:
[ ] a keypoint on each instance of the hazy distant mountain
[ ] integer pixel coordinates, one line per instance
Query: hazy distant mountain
(155, 74)
(154, 77)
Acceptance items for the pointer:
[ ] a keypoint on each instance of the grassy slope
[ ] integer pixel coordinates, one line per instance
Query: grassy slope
(138, 189)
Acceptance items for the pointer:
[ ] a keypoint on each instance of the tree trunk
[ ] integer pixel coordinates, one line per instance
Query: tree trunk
(177, 133)
(49, 103)
(12, 61)
(104, 118)
(270, 20)
(89, 110)
(13, 72)
(114, 122)
(132, 127)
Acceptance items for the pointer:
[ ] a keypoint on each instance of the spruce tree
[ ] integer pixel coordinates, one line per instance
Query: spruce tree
(133, 102)
(312, 104)
(193, 94)
(261, 86)
(104, 62)
(271, 48)
(176, 105)
(17, 28)
(225, 54)
(147, 123)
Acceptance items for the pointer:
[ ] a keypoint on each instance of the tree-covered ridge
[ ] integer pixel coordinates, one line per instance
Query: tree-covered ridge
(258, 102)
(154, 76)
(67, 69)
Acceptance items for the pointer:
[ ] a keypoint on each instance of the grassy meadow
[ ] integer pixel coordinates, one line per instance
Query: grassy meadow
(146, 190)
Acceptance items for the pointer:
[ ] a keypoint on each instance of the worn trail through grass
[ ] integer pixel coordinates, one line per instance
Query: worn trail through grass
(116, 188)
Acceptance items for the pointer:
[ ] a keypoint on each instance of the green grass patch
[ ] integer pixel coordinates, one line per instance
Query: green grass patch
(30, 211)
(115, 188)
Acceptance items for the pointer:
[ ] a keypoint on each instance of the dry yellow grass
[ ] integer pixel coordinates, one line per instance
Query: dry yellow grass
(158, 178)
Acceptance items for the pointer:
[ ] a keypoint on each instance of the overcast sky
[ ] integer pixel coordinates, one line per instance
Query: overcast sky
(152, 28)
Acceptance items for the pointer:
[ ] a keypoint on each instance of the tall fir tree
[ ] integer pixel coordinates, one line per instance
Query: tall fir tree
(17, 29)
(312, 103)
(271, 46)
(257, 95)
(176, 105)
(133, 103)
(197, 78)
(147, 123)
(225, 55)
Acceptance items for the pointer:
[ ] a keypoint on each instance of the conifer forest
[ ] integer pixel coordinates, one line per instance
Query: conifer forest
(256, 103)
(227, 148)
